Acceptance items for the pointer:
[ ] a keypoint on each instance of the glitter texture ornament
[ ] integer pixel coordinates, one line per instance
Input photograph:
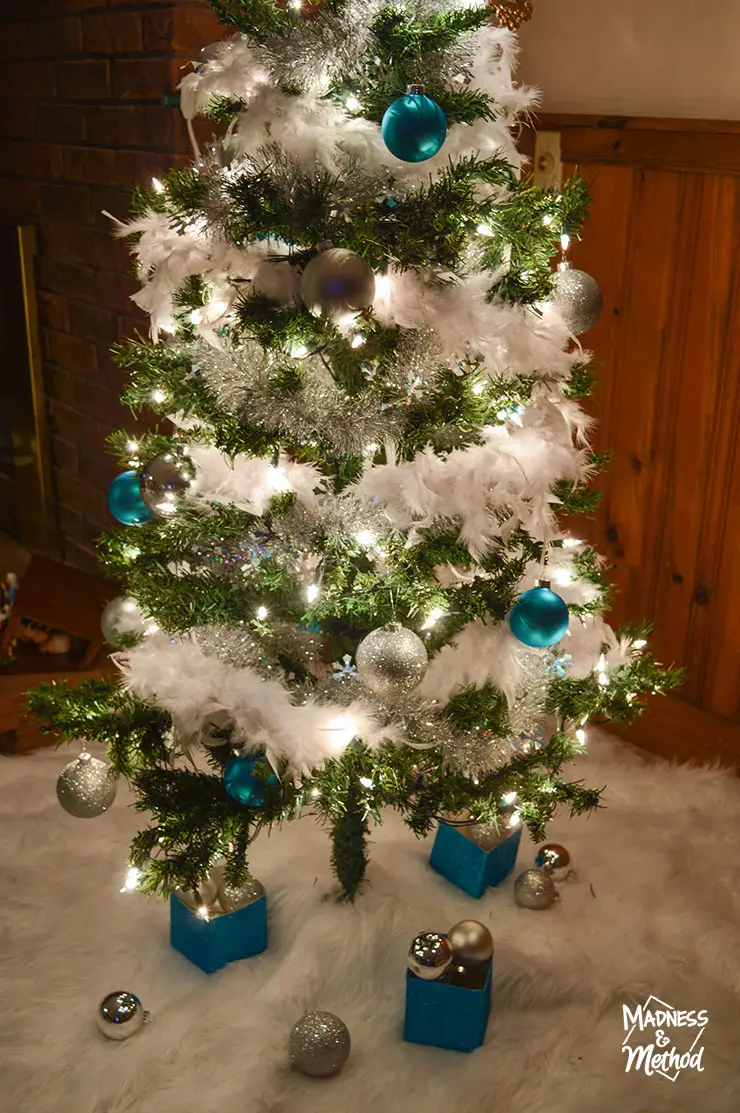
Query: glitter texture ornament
(471, 942)
(553, 859)
(319, 1044)
(534, 889)
(429, 955)
(391, 659)
(86, 787)
(233, 897)
(578, 297)
(121, 616)
(414, 127)
(337, 282)
(165, 481)
(246, 776)
(125, 502)
(539, 618)
(120, 1015)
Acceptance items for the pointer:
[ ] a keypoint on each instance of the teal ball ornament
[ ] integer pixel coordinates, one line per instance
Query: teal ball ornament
(245, 778)
(125, 502)
(539, 617)
(414, 127)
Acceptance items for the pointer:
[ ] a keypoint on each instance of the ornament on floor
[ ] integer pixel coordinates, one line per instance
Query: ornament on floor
(534, 889)
(539, 617)
(511, 13)
(125, 502)
(471, 942)
(246, 776)
(430, 954)
(391, 659)
(337, 282)
(120, 616)
(414, 127)
(578, 297)
(166, 480)
(553, 859)
(120, 1015)
(319, 1044)
(86, 787)
(277, 280)
(232, 897)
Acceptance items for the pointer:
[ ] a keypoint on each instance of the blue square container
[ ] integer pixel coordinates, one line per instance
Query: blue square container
(443, 1015)
(467, 865)
(210, 944)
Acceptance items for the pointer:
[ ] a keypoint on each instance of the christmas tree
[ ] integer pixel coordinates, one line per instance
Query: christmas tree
(349, 585)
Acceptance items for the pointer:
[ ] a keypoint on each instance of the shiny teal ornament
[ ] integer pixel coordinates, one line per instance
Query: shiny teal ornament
(125, 502)
(242, 783)
(539, 617)
(414, 127)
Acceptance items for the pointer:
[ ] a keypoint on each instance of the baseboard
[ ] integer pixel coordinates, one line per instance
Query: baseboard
(678, 730)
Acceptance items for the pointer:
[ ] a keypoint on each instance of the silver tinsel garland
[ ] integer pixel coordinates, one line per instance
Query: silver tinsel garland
(527, 712)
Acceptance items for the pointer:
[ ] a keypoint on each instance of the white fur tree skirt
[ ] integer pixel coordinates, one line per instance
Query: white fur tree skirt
(655, 910)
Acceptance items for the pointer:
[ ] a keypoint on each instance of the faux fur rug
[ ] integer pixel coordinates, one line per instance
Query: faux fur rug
(655, 910)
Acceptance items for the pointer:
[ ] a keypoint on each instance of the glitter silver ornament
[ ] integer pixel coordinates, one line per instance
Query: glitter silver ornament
(120, 1015)
(391, 659)
(121, 616)
(86, 787)
(278, 280)
(166, 480)
(337, 282)
(429, 955)
(534, 889)
(233, 897)
(471, 941)
(553, 859)
(319, 1044)
(578, 297)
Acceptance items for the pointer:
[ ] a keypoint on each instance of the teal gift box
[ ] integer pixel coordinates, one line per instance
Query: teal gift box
(224, 938)
(469, 866)
(443, 1014)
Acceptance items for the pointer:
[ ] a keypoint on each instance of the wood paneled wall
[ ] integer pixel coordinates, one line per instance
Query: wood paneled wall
(664, 243)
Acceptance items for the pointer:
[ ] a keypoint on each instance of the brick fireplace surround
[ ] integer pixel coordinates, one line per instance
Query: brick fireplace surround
(82, 121)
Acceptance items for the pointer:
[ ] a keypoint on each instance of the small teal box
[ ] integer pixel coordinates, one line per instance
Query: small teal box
(468, 865)
(210, 944)
(441, 1014)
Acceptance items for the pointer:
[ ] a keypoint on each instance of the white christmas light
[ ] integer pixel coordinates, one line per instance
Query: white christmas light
(639, 643)
(484, 230)
(366, 538)
(352, 104)
(157, 185)
(299, 351)
(565, 241)
(547, 219)
(204, 912)
(479, 387)
(131, 880)
(277, 479)
(151, 628)
(196, 316)
(130, 552)
(132, 447)
(315, 792)
(158, 395)
(433, 616)
(562, 576)
(262, 613)
(357, 340)
(218, 307)
(515, 819)
(312, 592)
(370, 449)
(571, 542)
(382, 287)
(509, 797)
(366, 782)
(581, 735)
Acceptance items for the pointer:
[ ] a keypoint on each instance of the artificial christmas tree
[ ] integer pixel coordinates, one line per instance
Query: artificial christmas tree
(352, 588)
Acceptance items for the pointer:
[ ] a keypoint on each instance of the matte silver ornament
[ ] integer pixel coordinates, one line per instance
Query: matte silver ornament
(233, 897)
(471, 941)
(429, 955)
(120, 1015)
(337, 282)
(121, 616)
(391, 659)
(278, 280)
(165, 481)
(534, 889)
(578, 297)
(554, 859)
(86, 787)
(319, 1044)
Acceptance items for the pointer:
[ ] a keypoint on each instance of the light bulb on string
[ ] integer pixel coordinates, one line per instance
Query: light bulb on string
(158, 395)
(131, 880)
(157, 186)
(312, 592)
(509, 797)
(262, 613)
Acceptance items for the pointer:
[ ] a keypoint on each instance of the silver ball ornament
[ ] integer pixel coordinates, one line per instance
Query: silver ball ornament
(120, 1015)
(121, 616)
(86, 787)
(319, 1044)
(534, 889)
(471, 942)
(337, 282)
(578, 297)
(553, 859)
(391, 659)
(278, 280)
(165, 481)
(233, 897)
(429, 956)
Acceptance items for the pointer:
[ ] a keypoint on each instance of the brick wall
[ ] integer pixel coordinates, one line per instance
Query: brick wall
(82, 121)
